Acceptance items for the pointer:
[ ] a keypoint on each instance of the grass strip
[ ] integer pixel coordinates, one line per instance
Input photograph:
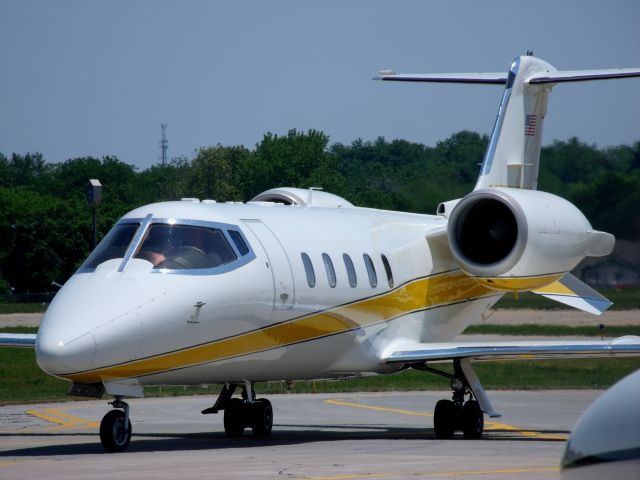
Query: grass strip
(627, 299)
(22, 307)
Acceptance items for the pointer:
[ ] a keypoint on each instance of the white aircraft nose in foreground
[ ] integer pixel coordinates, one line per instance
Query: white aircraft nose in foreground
(302, 284)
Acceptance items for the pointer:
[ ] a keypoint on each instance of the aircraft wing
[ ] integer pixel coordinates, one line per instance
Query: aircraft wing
(515, 350)
(18, 340)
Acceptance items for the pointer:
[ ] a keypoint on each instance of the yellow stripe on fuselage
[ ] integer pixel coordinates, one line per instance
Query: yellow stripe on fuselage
(518, 284)
(420, 294)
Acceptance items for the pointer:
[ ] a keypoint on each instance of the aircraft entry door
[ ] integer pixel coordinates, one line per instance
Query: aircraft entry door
(284, 292)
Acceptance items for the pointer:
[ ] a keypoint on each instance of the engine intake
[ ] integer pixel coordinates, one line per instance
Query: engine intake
(505, 233)
(487, 231)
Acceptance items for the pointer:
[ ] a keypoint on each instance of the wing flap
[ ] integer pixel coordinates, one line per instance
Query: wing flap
(573, 292)
(517, 350)
(27, 340)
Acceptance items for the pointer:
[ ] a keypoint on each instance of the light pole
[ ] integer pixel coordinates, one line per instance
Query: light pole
(94, 197)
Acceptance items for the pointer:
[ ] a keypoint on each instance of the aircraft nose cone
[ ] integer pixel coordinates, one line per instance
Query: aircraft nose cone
(58, 356)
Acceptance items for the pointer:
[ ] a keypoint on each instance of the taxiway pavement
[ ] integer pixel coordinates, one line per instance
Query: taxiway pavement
(322, 436)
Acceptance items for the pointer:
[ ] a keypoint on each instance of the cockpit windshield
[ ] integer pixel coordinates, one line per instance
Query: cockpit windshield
(113, 245)
(177, 247)
(191, 247)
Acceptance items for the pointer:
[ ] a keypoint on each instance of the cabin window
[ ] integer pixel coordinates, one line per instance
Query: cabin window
(179, 247)
(331, 272)
(387, 269)
(371, 271)
(308, 268)
(241, 245)
(351, 271)
(113, 245)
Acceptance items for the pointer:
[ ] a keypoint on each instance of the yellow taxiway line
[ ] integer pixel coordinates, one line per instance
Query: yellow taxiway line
(63, 420)
(454, 473)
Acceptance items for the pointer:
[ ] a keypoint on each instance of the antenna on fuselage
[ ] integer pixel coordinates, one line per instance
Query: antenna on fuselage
(311, 189)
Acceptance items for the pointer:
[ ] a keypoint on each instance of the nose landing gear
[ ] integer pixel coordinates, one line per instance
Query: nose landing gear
(115, 428)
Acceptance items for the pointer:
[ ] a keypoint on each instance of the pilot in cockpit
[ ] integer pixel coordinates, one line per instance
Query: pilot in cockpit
(185, 247)
(156, 242)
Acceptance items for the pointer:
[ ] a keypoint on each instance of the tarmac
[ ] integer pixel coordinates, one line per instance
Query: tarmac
(323, 436)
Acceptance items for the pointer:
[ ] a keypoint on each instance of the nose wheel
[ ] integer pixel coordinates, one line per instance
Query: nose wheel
(115, 428)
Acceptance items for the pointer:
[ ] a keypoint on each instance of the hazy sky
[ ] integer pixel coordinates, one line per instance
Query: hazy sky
(82, 77)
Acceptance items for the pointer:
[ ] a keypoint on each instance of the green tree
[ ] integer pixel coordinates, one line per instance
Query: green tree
(215, 173)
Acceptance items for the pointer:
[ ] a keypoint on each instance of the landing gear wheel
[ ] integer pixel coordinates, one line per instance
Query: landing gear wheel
(234, 418)
(113, 434)
(472, 420)
(261, 417)
(445, 417)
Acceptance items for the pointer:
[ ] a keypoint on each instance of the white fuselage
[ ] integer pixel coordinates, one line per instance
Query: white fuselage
(260, 319)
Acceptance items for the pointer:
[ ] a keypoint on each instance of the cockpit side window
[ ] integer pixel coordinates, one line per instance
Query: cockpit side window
(241, 245)
(178, 247)
(113, 245)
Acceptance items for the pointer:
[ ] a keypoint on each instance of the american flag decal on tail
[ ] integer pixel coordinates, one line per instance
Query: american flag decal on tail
(530, 125)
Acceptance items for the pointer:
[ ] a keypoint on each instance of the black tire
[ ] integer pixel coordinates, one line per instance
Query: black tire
(261, 417)
(113, 435)
(234, 416)
(445, 417)
(472, 420)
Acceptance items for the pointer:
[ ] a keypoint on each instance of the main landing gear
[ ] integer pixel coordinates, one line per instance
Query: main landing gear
(115, 428)
(245, 412)
(453, 415)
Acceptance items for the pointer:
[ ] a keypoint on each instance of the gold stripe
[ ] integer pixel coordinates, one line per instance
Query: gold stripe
(519, 283)
(424, 293)
(556, 288)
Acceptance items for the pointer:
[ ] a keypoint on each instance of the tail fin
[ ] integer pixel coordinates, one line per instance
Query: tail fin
(513, 155)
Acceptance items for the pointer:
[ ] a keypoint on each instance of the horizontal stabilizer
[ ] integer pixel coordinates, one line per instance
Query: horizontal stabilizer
(518, 350)
(582, 75)
(18, 340)
(575, 293)
(486, 78)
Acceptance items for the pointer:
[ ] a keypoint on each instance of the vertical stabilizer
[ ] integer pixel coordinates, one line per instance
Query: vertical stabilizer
(513, 155)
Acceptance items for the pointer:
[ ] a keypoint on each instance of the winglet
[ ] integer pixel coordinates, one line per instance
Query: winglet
(573, 292)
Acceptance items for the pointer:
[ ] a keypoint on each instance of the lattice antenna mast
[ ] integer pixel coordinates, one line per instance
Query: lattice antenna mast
(164, 143)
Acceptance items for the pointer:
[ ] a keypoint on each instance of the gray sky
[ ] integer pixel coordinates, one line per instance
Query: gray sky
(83, 78)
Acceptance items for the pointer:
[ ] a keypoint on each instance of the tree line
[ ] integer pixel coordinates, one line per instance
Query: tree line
(45, 223)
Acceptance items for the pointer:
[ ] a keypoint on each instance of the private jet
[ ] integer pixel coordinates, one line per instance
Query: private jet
(301, 284)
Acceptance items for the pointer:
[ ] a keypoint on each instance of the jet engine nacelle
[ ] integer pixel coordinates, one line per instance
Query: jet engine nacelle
(515, 239)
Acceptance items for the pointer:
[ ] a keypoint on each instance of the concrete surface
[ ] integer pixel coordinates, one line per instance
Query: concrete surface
(324, 436)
